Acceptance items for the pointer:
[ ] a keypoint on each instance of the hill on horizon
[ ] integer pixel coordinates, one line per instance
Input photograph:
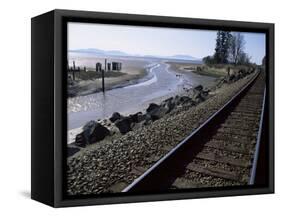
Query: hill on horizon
(100, 52)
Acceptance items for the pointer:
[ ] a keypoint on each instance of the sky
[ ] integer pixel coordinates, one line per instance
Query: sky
(157, 41)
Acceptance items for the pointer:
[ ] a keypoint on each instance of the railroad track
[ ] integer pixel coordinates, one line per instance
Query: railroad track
(223, 151)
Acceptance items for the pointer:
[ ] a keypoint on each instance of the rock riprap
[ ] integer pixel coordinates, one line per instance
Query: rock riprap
(92, 132)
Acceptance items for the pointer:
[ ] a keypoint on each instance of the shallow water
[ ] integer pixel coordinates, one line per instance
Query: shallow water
(162, 81)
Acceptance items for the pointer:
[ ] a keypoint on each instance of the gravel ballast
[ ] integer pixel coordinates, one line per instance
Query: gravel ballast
(109, 166)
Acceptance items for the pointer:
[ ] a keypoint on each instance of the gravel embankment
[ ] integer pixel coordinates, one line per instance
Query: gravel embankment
(114, 165)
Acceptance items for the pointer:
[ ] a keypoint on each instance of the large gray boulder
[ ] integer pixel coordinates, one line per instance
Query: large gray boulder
(199, 87)
(124, 125)
(176, 100)
(197, 94)
(180, 100)
(92, 132)
(169, 104)
(151, 107)
(184, 100)
(147, 119)
(169, 99)
(115, 116)
(137, 117)
(155, 112)
(80, 140)
(158, 113)
(194, 94)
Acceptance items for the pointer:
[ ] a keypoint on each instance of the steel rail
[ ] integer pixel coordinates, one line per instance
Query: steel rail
(257, 150)
(162, 173)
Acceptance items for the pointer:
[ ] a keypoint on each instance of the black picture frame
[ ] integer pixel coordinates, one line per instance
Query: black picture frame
(49, 50)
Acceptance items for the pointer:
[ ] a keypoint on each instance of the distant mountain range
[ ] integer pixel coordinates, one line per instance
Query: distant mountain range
(100, 52)
(184, 57)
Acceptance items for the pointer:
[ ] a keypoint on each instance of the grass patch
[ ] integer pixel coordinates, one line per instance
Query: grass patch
(219, 70)
(212, 72)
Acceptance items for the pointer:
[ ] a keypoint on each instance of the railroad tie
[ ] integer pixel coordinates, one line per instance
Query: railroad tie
(212, 171)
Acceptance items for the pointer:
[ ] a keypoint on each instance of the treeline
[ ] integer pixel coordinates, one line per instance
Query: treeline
(229, 50)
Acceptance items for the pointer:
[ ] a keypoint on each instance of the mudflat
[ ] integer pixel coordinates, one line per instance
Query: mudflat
(91, 82)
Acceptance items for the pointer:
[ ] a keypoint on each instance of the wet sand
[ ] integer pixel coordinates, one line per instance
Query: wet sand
(133, 98)
(131, 73)
(163, 82)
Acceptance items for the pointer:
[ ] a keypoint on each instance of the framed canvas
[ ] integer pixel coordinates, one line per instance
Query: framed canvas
(130, 108)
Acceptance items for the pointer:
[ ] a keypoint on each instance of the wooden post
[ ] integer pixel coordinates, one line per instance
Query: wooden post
(228, 74)
(102, 74)
(78, 69)
(73, 73)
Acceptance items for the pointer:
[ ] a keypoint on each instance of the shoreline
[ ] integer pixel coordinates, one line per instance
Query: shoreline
(158, 100)
(73, 132)
(184, 68)
(148, 144)
(143, 77)
(131, 76)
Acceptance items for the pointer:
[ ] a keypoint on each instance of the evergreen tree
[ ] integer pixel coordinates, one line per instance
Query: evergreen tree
(222, 47)
(208, 60)
(226, 39)
(217, 55)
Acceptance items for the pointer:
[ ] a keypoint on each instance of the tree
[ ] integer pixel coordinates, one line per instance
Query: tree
(222, 47)
(226, 39)
(229, 49)
(243, 59)
(208, 60)
(218, 49)
(236, 49)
